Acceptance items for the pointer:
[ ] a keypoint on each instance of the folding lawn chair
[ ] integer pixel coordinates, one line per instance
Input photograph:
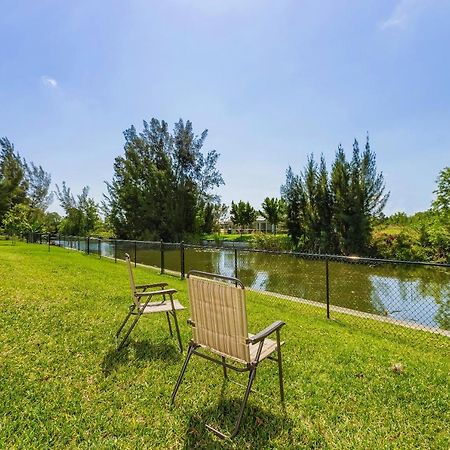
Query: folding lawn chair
(219, 325)
(143, 303)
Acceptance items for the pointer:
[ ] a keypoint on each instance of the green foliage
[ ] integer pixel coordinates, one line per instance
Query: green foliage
(38, 191)
(402, 245)
(162, 185)
(423, 236)
(24, 192)
(242, 214)
(13, 185)
(272, 209)
(16, 220)
(333, 212)
(442, 201)
(268, 241)
(81, 212)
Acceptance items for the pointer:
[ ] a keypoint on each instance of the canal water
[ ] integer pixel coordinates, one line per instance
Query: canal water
(419, 294)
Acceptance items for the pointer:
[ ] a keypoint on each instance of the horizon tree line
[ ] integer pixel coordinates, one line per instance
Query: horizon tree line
(163, 187)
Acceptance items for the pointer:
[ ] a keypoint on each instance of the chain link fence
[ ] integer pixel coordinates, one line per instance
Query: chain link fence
(413, 295)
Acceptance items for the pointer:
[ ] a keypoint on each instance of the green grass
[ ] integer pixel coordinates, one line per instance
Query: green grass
(62, 384)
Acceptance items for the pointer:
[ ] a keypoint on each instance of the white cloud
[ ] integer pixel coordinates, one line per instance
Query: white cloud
(403, 13)
(50, 82)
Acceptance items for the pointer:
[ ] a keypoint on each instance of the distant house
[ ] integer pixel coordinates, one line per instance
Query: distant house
(260, 225)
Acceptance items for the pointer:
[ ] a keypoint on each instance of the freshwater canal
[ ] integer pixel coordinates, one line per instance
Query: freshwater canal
(414, 293)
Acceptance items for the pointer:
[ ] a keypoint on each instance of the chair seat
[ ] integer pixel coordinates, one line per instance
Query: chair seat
(166, 306)
(269, 347)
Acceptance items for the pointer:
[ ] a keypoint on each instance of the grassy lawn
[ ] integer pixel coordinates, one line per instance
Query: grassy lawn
(63, 385)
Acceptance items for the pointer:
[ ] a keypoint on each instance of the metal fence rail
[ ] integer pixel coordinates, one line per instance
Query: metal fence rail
(415, 295)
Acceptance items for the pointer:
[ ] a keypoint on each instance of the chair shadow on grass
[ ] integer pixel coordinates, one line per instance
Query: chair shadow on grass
(145, 350)
(257, 428)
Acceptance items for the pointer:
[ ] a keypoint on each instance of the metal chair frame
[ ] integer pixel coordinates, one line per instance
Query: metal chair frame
(138, 309)
(249, 367)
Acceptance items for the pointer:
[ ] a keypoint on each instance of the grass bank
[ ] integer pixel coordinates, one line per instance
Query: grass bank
(63, 385)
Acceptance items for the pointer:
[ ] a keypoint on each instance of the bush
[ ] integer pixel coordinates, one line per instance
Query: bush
(266, 241)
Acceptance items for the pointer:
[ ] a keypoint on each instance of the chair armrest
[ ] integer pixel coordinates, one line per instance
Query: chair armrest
(146, 286)
(266, 332)
(151, 293)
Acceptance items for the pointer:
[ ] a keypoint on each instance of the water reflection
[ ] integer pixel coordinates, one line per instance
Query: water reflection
(418, 294)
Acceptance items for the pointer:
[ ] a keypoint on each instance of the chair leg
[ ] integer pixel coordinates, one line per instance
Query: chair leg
(177, 329)
(170, 325)
(224, 368)
(123, 323)
(183, 370)
(280, 367)
(251, 378)
(135, 321)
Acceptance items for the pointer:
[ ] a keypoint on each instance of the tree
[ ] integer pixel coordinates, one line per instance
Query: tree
(81, 212)
(38, 189)
(340, 191)
(16, 220)
(13, 185)
(439, 228)
(163, 183)
(334, 212)
(272, 209)
(441, 203)
(52, 222)
(293, 195)
(242, 214)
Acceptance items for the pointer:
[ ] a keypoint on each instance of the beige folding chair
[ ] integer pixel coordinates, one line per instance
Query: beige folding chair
(149, 306)
(219, 325)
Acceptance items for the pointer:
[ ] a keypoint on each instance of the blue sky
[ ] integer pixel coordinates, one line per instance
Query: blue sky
(272, 81)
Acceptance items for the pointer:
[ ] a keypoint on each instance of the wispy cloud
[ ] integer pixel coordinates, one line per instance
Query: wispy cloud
(403, 13)
(48, 81)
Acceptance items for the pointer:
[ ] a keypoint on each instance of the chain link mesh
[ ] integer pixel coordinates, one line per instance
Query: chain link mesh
(412, 295)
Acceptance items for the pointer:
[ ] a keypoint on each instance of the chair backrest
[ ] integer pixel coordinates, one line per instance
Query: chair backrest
(131, 277)
(219, 314)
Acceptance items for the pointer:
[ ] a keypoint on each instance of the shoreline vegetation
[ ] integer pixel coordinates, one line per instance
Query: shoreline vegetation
(163, 187)
(399, 242)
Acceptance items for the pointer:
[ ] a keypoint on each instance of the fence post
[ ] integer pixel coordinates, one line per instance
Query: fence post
(88, 245)
(48, 241)
(115, 250)
(182, 267)
(99, 248)
(327, 282)
(40, 238)
(135, 253)
(235, 263)
(162, 256)
(79, 244)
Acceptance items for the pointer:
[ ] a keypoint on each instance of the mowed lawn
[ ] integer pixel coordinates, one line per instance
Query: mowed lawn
(62, 385)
